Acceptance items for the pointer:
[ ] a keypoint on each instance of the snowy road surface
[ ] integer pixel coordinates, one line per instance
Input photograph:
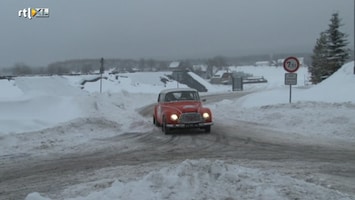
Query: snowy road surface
(243, 144)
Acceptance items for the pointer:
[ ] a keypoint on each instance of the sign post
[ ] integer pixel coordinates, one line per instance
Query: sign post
(102, 69)
(291, 65)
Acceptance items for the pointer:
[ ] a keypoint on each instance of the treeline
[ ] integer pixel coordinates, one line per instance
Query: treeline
(89, 66)
(86, 66)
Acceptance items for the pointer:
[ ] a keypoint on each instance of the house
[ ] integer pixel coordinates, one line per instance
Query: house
(200, 67)
(262, 63)
(174, 65)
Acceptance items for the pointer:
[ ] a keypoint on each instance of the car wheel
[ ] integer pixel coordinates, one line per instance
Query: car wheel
(165, 129)
(207, 129)
(155, 122)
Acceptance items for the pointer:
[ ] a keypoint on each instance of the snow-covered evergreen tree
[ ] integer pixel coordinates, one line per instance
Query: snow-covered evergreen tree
(337, 45)
(319, 59)
(330, 51)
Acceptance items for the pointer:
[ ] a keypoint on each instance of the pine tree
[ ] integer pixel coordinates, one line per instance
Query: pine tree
(319, 58)
(330, 51)
(338, 53)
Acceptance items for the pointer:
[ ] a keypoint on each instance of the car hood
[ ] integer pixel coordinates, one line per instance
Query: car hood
(185, 106)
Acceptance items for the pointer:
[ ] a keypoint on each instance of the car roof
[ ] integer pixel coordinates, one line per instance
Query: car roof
(178, 90)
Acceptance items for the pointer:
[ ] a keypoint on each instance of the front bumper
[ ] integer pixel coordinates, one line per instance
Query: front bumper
(190, 125)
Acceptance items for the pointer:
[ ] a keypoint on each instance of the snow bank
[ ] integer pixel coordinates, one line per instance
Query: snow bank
(61, 126)
(9, 90)
(309, 119)
(205, 179)
(37, 103)
(139, 82)
(49, 86)
(338, 88)
(35, 113)
(118, 107)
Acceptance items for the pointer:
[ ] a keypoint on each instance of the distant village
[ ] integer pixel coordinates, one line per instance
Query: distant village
(216, 68)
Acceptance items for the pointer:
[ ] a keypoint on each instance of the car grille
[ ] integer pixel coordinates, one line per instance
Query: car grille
(190, 118)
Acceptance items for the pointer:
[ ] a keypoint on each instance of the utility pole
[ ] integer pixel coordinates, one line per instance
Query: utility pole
(102, 69)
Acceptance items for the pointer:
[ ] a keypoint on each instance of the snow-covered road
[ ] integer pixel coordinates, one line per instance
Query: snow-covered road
(244, 144)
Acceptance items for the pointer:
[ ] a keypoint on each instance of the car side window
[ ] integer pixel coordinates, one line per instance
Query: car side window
(161, 98)
(196, 96)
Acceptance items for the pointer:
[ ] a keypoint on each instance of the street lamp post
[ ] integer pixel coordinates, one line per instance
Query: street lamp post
(102, 69)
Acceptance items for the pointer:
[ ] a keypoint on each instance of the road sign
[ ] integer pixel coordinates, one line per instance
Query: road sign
(290, 79)
(291, 64)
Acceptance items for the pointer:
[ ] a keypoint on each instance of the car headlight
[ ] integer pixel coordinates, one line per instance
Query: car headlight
(206, 115)
(174, 117)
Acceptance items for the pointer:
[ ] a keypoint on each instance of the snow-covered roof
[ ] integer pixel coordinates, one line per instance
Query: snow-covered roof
(262, 63)
(174, 64)
(200, 67)
(300, 59)
(220, 73)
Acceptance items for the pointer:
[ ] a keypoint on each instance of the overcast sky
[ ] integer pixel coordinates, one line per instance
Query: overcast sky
(164, 29)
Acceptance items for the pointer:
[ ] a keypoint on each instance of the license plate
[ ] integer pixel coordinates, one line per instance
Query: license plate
(191, 125)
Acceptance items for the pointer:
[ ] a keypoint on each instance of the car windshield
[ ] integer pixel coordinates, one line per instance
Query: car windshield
(182, 96)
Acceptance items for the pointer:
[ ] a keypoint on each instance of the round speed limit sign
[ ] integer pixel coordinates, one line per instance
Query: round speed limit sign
(291, 64)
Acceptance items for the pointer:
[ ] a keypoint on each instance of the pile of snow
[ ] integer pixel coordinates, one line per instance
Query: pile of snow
(48, 124)
(47, 86)
(139, 82)
(205, 179)
(36, 104)
(313, 120)
(36, 113)
(9, 90)
(337, 88)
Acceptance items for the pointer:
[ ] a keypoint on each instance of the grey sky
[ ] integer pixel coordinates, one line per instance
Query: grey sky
(164, 29)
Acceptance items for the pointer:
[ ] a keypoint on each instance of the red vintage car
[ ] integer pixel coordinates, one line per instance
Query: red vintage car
(181, 108)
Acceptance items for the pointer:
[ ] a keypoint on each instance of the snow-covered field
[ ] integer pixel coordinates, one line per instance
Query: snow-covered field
(39, 115)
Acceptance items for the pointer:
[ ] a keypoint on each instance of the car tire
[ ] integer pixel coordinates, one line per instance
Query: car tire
(207, 129)
(155, 122)
(164, 128)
